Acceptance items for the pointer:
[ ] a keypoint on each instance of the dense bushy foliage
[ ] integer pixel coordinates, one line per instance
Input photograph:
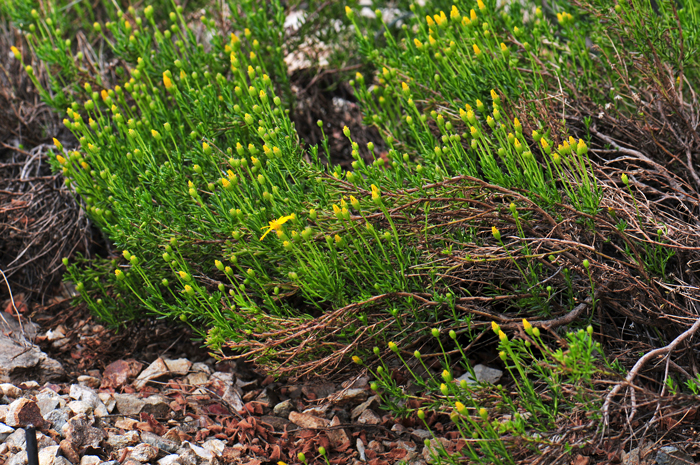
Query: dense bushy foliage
(534, 161)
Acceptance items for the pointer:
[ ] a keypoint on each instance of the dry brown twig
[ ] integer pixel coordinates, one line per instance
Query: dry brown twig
(666, 350)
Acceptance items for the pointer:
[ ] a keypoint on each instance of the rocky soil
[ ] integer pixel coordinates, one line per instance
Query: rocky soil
(184, 411)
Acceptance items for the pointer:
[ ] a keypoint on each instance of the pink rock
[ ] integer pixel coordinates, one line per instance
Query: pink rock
(23, 412)
(304, 420)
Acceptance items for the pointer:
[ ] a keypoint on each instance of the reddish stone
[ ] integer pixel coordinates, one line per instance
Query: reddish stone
(24, 412)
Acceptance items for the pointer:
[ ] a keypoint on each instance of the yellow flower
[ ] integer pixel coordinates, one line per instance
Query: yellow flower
(430, 21)
(376, 193)
(454, 14)
(404, 87)
(167, 82)
(473, 15)
(495, 327)
(104, 95)
(58, 144)
(357, 359)
(418, 43)
(502, 336)
(477, 51)
(276, 225)
(60, 159)
(461, 409)
(496, 233)
(527, 326)
(16, 53)
(481, 5)
(432, 41)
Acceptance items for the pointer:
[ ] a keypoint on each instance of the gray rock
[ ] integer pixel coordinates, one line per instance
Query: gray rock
(90, 397)
(200, 367)
(20, 359)
(120, 441)
(48, 400)
(421, 434)
(483, 374)
(320, 411)
(142, 453)
(156, 405)
(433, 450)
(155, 370)
(671, 455)
(128, 404)
(283, 409)
(337, 437)
(60, 460)
(160, 442)
(352, 396)
(79, 432)
(277, 423)
(318, 391)
(357, 411)
(201, 455)
(368, 417)
(17, 441)
(58, 419)
(187, 457)
(110, 462)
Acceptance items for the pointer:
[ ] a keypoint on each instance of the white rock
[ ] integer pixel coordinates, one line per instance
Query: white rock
(56, 334)
(217, 446)
(142, 453)
(198, 451)
(361, 449)
(155, 370)
(78, 407)
(368, 417)
(10, 390)
(199, 366)
(172, 459)
(49, 400)
(90, 460)
(108, 401)
(179, 367)
(47, 455)
(483, 374)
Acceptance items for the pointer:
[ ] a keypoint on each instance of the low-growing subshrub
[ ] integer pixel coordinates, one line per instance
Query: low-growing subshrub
(500, 193)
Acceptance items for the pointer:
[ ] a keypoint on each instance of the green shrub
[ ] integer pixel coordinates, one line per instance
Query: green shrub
(481, 208)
